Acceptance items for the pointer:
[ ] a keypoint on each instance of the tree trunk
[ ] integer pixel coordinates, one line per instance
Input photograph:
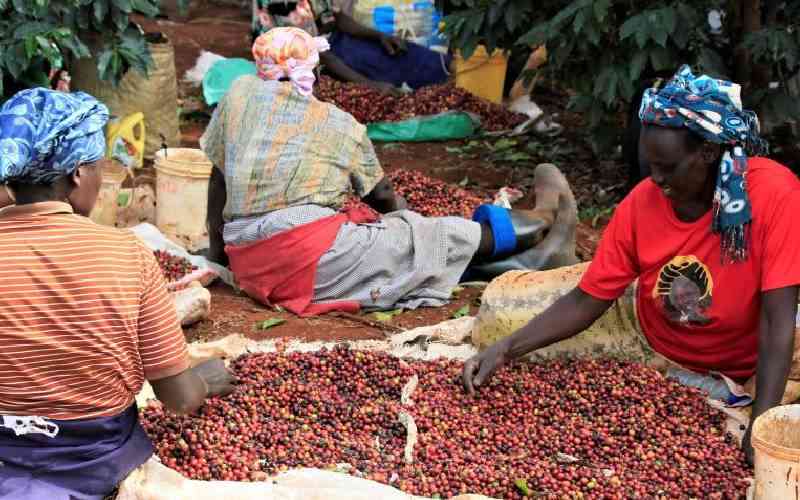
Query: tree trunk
(749, 14)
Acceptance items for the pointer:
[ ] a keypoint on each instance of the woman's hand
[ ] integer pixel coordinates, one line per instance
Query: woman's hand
(216, 376)
(480, 368)
(566, 317)
(393, 45)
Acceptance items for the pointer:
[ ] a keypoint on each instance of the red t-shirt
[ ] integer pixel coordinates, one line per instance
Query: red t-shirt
(694, 310)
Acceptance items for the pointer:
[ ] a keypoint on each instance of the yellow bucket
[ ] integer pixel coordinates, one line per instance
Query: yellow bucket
(126, 140)
(481, 74)
(105, 209)
(182, 176)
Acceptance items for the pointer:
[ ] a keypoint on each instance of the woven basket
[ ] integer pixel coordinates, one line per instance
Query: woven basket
(155, 95)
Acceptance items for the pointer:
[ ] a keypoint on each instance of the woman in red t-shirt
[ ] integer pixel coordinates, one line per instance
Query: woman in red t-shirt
(710, 237)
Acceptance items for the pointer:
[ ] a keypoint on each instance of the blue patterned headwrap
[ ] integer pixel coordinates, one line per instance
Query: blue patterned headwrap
(46, 134)
(712, 109)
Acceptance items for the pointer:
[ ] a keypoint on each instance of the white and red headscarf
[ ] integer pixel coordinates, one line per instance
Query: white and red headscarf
(289, 53)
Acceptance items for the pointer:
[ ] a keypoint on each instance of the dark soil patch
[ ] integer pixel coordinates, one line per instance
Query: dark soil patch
(232, 313)
(222, 30)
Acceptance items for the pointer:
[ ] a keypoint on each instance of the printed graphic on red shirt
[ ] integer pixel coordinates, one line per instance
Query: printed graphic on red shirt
(684, 289)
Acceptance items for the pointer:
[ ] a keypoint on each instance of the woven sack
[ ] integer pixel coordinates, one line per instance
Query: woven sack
(155, 95)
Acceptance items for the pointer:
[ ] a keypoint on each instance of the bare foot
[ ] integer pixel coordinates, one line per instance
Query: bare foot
(549, 185)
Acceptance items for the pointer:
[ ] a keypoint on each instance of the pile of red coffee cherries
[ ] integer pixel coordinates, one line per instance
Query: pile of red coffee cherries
(561, 429)
(173, 267)
(432, 197)
(368, 105)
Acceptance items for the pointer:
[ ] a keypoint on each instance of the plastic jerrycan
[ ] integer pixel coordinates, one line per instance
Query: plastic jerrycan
(126, 139)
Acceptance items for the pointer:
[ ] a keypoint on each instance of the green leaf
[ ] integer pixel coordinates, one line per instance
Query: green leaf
(518, 157)
(103, 63)
(119, 18)
(386, 316)
(536, 36)
(30, 47)
(660, 37)
(21, 6)
(630, 27)
(605, 85)
(627, 88)
(100, 10)
(123, 5)
(464, 311)
(601, 9)
(16, 60)
(474, 22)
(468, 49)
(641, 38)
(522, 486)
(668, 19)
(76, 46)
(565, 15)
(270, 323)
(579, 21)
(495, 13)
(145, 7)
(33, 28)
(504, 143)
(637, 65)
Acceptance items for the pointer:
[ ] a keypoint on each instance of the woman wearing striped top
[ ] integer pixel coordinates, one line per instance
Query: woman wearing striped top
(85, 317)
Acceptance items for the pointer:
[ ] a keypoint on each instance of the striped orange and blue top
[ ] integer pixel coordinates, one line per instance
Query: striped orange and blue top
(85, 316)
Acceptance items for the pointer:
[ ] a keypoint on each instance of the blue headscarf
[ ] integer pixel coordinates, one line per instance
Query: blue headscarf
(46, 134)
(712, 109)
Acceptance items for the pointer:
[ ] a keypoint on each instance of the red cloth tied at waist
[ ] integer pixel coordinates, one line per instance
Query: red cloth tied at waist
(281, 270)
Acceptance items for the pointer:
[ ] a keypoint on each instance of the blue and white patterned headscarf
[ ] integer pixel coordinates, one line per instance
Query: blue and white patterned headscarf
(712, 109)
(46, 134)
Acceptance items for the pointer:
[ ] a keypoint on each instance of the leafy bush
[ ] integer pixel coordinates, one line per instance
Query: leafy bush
(37, 36)
(603, 49)
(494, 23)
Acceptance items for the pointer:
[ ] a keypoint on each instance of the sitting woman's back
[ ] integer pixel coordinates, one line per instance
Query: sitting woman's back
(82, 298)
(285, 149)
